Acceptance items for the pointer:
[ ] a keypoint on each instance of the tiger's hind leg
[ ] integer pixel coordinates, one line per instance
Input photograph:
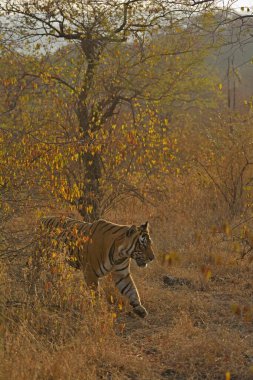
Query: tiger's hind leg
(91, 280)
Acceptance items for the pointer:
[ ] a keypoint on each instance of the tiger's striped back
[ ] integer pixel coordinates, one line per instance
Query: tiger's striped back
(65, 223)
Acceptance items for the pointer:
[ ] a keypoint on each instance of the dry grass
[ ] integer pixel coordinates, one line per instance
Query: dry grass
(199, 330)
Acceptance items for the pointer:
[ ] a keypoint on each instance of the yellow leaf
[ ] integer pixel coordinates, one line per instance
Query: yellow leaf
(93, 294)
(227, 229)
(208, 274)
(89, 209)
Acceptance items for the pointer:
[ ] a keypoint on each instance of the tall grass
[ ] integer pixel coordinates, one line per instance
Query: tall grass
(53, 327)
(203, 329)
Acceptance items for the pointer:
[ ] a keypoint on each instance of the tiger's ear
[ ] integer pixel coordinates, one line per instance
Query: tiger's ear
(144, 227)
(131, 230)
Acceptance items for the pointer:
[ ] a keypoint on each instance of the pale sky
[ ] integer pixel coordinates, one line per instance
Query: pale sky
(243, 3)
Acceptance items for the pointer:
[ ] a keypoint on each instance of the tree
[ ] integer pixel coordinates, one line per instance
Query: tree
(97, 28)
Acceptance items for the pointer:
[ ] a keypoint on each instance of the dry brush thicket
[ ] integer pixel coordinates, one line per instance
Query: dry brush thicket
(199, 329)
(144, 123)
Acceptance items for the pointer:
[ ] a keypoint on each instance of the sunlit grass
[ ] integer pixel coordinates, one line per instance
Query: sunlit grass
(200, 328)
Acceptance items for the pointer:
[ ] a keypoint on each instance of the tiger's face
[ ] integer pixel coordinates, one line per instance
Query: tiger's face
(141, 248)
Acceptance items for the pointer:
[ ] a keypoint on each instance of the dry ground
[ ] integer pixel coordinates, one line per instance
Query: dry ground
(199, 329)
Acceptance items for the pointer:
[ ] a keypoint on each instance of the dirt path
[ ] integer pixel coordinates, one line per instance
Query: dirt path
(199, 330)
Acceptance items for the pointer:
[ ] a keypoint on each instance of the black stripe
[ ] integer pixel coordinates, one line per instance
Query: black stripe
(98, 223)
(99, 266)
(131, 246)
(121, 269)
(104, 224)
(49, 223)
(83, 228)
(101, 269)
(128, 290)
(94, 271)
(111, 252)
(55, 222)
(105, 269)
(118, 229)
(89, 235)
(123, 290)
(45, 221)
(120, 236)
(121, 279)
(108, 229)
(134, 303)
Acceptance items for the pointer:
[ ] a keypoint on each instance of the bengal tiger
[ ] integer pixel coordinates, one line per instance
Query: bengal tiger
(102, 247)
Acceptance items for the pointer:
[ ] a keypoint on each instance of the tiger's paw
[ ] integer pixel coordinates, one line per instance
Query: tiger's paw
(140, 311)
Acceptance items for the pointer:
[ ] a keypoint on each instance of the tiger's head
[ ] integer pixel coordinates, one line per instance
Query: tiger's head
(139, 245)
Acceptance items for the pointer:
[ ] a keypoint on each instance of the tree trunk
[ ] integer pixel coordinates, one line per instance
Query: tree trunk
(88, 204)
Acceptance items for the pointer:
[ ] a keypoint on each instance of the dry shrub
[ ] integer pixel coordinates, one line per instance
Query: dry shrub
(2, 281)
(56, 330)
(53, 327)
(83, 356)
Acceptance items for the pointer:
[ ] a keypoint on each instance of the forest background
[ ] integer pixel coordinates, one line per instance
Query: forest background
(130, 111)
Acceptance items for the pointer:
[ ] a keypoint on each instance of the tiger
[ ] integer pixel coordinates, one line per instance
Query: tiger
(102, 247)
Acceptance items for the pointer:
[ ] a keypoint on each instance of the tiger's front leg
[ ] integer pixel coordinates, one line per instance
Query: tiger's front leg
(126, 286)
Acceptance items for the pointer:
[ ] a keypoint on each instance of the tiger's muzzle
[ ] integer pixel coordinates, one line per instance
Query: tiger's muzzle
(142, 259)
